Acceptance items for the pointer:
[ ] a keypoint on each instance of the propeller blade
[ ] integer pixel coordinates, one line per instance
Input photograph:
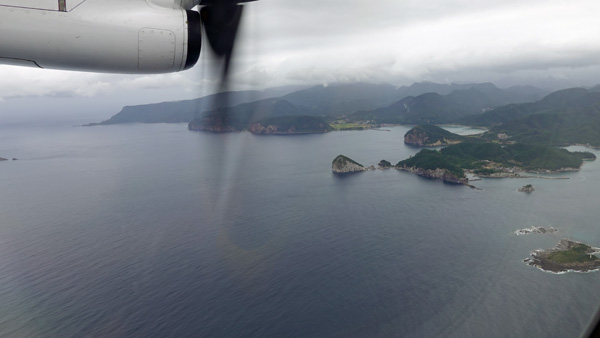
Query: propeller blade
(221, 22)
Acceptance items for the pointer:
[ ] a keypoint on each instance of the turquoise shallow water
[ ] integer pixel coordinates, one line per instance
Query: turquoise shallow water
(156, 231)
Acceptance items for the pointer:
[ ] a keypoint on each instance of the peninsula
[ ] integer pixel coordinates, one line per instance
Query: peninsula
(567, 256)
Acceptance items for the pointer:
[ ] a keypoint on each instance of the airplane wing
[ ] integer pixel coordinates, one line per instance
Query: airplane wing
(119, 36)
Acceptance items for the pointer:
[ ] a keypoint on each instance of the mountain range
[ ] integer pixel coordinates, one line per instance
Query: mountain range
(570, 116)
(186, 110)
(560, 101)
(436, 108)
(335, 101)
(515, 114)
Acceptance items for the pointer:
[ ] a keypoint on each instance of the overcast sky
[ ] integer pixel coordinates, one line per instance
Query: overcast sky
(551, 43)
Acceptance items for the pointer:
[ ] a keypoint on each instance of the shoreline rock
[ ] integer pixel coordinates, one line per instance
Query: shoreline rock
(536, 230)
(442, 174)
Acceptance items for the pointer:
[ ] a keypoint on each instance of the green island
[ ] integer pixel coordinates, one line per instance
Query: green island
(487, 159)
(568, 255)
(428, 135)
(384, 164)
(345, 165)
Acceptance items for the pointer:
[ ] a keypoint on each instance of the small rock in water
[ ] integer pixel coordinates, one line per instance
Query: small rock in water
(526, 188)
(536, 230)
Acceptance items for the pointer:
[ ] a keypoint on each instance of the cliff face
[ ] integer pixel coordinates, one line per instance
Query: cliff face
(344, 165)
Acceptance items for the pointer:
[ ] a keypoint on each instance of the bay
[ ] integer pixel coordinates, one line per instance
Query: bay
(156, 231)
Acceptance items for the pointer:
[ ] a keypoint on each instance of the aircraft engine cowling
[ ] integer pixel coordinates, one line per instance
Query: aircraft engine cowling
(118, 36)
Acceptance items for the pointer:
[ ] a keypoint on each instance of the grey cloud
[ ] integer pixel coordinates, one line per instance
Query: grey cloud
(314, 41)
(344, 40)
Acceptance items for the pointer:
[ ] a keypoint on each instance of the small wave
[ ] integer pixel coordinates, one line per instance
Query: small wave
(563, 272)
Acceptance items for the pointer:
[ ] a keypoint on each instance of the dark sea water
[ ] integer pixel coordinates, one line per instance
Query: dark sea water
(156, 231)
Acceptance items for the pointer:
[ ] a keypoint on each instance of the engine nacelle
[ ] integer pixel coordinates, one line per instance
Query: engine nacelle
(120, 36)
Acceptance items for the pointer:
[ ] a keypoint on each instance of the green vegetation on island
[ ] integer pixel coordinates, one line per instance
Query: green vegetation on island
(428, 159)
(526, 156)
(578, 253)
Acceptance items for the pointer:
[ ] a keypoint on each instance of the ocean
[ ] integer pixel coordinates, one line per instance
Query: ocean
(151, 230)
